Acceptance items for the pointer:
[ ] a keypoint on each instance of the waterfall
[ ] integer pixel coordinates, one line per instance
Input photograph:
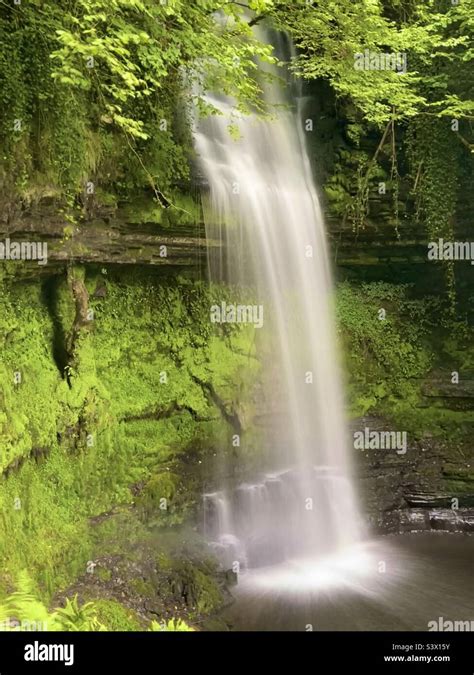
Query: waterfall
(263, 205)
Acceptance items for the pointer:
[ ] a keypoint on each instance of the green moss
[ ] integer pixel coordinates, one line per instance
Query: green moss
(118, 432)
(105, 198)
(103, 574)
(208, 594)
(116, 617)
(382, 335)
(388, 361)
(198, 585)
(143, 211)
(165, 499)
(143, 588)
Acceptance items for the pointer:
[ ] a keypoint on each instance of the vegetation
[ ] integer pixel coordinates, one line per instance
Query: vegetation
(115, 387)
(128, 426)
(383, 333)
(97, 98)
(91, 91)
(393, 342)
(399, 148)
(23, 611)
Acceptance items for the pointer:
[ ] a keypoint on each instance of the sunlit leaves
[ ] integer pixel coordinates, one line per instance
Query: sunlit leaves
(437, 44)
(137, 45)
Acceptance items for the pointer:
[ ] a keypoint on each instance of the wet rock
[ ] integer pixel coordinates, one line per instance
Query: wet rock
(431, 487)
(413, 520)
(426, 500)
(453, 520)
(231, 578)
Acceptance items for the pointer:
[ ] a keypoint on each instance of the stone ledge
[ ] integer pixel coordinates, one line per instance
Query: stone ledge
(424, 520)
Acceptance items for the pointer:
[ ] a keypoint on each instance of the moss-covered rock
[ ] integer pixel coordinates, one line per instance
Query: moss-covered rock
(116, 617)
(123, 418)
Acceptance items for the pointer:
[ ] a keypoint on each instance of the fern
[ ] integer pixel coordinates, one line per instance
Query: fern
(22, 610)
(75, 617)
(171, 625)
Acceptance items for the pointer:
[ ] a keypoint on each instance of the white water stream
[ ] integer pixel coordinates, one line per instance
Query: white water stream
(263, 204)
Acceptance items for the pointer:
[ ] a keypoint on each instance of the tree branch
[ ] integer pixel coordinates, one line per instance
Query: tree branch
(258, 18)
(465, 142)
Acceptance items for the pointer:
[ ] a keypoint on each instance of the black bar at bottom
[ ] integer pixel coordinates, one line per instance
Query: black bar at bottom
(88, 653)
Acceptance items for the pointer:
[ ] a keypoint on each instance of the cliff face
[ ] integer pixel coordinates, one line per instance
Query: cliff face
(105, 379)
(136, 233)
(427, 392)
(117, 392)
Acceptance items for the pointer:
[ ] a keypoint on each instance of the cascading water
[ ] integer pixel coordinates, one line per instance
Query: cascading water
(263, 204)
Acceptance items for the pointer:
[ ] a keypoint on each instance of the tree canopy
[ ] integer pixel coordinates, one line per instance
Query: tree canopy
(102, 91)
(435, 36)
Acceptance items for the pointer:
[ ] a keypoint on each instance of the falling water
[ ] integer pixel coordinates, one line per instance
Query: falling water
(263, 205)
